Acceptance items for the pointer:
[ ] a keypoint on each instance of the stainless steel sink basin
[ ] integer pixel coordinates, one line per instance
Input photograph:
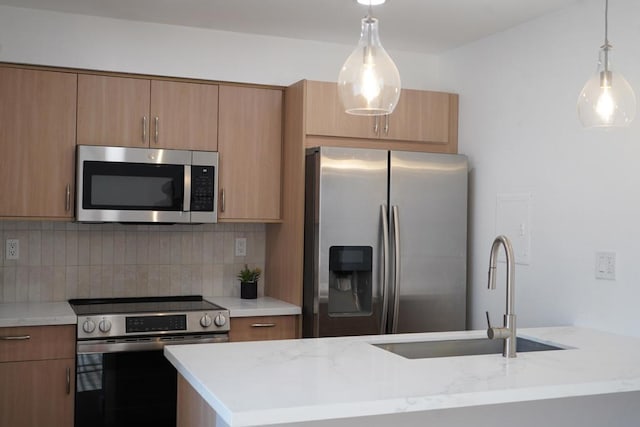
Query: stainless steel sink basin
(468, 347)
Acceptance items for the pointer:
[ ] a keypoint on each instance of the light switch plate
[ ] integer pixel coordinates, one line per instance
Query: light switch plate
(605, 265)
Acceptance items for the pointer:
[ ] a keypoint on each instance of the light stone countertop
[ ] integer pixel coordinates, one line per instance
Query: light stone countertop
(36, 314)
(263, 306)
(60, 313)
(296, 381)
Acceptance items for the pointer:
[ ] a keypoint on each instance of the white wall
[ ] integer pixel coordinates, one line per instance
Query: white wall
(48, 38)
(518, 93)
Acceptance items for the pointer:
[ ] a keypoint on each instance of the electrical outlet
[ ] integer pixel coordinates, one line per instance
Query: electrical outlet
(241, 246)
(12, 249)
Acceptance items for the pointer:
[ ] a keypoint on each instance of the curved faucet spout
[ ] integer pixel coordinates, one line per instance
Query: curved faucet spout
(508, 331)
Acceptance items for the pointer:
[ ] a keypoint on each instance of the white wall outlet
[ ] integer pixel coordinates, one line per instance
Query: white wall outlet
(12, 249)
(605, 265)
(241, 246)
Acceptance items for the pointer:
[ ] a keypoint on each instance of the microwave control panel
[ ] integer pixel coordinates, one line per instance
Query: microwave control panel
(202, 188)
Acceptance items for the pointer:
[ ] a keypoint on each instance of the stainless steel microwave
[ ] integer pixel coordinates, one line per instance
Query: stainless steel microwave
(120, 184)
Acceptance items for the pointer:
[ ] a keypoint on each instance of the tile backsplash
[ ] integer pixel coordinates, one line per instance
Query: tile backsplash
(62, 260)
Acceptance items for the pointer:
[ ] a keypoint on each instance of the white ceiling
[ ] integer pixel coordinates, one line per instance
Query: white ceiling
(427, 26)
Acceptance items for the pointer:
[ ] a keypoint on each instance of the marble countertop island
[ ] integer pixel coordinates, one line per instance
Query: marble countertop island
(294, 382)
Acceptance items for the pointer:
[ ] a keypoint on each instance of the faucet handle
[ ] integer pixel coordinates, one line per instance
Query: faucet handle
(488, 320)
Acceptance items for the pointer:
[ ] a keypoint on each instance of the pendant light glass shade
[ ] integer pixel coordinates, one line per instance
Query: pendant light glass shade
(369, 81)
(607, 99)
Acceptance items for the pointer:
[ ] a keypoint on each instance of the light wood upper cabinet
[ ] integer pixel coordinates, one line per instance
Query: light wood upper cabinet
(424, 117)
(137, 112)
(419, 116)
(37, 143)
(250, 150)
(38, 376)
(325, 115)
(113, 111)
(184, 115)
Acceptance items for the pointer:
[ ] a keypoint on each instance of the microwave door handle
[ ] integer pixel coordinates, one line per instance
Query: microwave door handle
(187, 189)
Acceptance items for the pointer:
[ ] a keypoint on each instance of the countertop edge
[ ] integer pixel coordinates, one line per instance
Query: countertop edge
(21, 314)
(262, 306)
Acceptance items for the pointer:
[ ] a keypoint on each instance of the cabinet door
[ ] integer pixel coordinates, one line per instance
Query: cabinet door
(37, 393)
(37, 143)
(184, 115)
(250, 150)
(113, 111)
(419, 116)
(325, 115)
(261, 328)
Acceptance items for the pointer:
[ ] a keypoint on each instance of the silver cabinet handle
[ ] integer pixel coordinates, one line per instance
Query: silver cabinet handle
(376, 125)
(67, 203)
(156, 132)
(68, 380)
(16, 338)
(263, 325)
(222, 200)
(386, 124)
(144, 130)
(396, 261)
(385, 269)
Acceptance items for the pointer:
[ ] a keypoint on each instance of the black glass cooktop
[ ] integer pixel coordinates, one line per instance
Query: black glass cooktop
(97, 306)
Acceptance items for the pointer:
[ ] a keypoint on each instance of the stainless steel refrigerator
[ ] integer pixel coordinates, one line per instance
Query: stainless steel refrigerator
(385, 242)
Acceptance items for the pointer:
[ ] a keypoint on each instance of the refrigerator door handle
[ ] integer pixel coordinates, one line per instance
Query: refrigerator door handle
(385, 269)
(396, 264)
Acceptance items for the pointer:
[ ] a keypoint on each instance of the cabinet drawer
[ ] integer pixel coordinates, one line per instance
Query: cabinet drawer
(37, 343)
(263, 328)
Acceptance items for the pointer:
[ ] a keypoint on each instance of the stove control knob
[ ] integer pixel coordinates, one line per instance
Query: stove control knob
(104, 325)
(89, 326)
(205, 321)
(220, 320)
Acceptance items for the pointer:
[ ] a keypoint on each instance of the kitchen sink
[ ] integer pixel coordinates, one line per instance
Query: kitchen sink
(463, 347)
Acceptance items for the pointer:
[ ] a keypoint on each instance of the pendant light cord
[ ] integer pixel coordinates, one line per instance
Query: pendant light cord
(606, 46)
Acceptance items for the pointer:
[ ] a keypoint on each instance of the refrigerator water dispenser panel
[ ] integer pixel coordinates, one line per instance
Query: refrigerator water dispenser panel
(350, 281)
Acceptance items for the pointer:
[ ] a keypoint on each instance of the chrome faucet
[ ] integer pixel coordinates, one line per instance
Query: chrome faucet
(508, 331)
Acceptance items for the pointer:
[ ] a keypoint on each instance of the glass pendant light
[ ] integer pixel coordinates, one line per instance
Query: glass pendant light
(607, 99)
(369, 81)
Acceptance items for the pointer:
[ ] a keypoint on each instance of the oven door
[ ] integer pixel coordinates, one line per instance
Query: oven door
(119, 184)
(125, 389)
(127, 383)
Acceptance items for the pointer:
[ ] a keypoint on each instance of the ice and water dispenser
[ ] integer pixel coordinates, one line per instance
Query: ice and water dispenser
(350, 282)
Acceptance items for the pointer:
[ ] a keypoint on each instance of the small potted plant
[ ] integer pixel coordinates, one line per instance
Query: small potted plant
(249, 282)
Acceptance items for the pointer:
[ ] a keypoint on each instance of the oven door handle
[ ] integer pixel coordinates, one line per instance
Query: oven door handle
(144, 344)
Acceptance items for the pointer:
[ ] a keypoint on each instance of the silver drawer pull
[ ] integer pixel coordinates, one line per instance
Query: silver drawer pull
(263, 325)
(16, 338)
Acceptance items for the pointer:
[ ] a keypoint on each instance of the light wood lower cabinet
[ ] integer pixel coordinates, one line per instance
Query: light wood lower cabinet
(37, 393)
(37, 376)
(261, 328)
(192, 410)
